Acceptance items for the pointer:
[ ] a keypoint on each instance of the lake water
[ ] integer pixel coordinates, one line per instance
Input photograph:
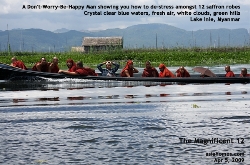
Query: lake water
(98, 122)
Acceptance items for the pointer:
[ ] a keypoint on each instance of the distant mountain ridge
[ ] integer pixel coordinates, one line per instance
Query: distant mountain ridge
(62, 30)
(136, 36)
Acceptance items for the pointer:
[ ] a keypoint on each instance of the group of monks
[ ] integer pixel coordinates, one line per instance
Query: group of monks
(150, 71)
(44, 66)
(128, 71)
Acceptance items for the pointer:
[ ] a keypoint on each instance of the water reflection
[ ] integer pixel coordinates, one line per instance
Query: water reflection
(183, 94)
(109, 97)
(80, 92)
(202, 94)
(19, 100)
(164, 95)
(130, 96)
(75, 98)
(49, 99)
(74, 88)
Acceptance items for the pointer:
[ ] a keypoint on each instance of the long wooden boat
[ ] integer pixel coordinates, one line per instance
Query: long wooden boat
(10, 73)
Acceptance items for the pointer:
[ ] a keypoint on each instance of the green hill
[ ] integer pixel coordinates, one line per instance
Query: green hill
(137, 36)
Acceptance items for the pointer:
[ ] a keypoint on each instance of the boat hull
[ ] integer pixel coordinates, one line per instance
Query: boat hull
(9, 73)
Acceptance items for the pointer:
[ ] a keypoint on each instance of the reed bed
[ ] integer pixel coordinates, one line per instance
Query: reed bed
(170, 57)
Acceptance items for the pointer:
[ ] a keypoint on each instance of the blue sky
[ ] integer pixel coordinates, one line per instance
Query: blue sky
(13, 14)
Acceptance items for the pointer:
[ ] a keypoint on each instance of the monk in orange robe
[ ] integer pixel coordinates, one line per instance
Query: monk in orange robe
(164, 72)
(129, 70)
(41, 66)
(80, 70)
(182, 72)
(71, 65)
(53, 67)
(91, 72)
(244, 73)
(150, 71)
(17, 63)
(229, 73)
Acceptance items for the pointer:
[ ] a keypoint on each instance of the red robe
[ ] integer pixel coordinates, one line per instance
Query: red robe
(44, 68)
(55, 69)
(150, 72)
(82, 71)
(73, 68)
(185, 74)
(19, 64)
(91, 72)
(86, 72)
(166, 72)
(230, 74)
(130, 70)
(248, 75)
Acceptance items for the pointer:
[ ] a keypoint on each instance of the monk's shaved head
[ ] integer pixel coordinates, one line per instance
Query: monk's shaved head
(148, 64)
(55, 60)
(227, 68)
(244, 69)
(244, 72)
(79, 64)
(14, 59)
(181, 67)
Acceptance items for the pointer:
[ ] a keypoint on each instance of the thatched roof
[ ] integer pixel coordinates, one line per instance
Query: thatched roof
(99, 41)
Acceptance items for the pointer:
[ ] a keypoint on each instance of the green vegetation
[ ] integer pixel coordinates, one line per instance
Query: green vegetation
(171, 57)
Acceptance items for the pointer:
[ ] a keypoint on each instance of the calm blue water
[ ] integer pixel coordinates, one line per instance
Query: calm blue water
(85, 122)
